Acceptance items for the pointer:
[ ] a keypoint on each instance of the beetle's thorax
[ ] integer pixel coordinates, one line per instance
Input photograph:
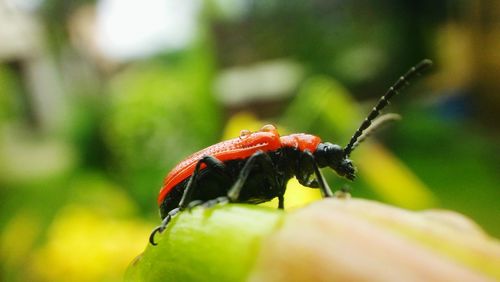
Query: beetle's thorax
(296, 146)
(301, 141)
(291, 160)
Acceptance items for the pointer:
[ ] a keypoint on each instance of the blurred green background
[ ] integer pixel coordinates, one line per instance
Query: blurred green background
(100, 99)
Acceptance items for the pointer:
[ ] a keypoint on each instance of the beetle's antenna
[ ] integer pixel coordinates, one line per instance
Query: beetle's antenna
(376, 124)
(384, 101)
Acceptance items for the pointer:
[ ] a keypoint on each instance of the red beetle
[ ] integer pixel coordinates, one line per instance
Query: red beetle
(256, 166)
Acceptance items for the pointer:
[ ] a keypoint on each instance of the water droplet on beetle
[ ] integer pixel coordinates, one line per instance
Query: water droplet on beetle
(268, 128)
(245, 133)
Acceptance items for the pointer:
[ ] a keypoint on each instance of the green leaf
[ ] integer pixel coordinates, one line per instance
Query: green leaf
(333, 239)
(216, 244)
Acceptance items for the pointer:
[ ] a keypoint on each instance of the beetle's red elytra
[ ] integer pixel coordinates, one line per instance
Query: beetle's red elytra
(256, 166)
(266, 139)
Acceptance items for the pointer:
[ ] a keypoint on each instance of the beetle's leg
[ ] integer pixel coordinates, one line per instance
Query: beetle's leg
(162, 226)
(216, 201)
(263, 160)
(281, 202)
(194, 204)
(210, 162)
(305, 170)
(306, 180)
(320, 179)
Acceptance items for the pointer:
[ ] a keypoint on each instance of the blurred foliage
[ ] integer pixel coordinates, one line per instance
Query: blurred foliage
(79, 198)
(159, 111)
(459, 160)
(98, 216)
(7, 102)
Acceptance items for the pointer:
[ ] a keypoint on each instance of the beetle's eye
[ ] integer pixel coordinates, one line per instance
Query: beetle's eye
(268, 128)
(245, 133)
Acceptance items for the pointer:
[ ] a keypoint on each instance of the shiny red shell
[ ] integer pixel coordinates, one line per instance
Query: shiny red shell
(266, 139)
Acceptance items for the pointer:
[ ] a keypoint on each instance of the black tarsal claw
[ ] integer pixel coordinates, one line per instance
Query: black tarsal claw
(162, 226)
(152, 236)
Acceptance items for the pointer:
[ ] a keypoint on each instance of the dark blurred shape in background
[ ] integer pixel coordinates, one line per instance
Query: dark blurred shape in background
(99, 99)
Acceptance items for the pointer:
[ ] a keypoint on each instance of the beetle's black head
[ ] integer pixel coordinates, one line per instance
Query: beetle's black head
(333, 156)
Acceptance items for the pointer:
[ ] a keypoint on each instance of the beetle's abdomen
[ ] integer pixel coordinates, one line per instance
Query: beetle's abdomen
(258, 188)
(266, 139)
